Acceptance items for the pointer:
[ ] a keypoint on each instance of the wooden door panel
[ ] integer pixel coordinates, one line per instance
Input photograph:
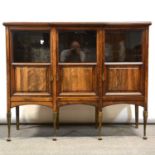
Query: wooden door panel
(78, 79)
(120, 79)
(31, 79)
(123, 79)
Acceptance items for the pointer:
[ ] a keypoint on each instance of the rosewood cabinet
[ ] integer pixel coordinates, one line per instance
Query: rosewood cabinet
(58, 64)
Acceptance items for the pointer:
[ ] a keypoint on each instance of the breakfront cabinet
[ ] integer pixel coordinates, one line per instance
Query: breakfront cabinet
(59, 64)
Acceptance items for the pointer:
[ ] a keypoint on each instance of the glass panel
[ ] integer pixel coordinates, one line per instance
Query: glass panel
(123, 45)
(77, 46)
(31, 46)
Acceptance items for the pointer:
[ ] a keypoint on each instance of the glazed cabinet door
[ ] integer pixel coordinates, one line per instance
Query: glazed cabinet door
(123, 64)
(31, 73)
(77, 63)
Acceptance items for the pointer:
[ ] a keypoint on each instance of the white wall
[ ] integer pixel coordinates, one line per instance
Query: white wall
(80, 10)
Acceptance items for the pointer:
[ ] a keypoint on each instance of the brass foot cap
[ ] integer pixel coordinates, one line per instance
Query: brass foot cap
(8, 140)
(136, 126)
(145, 138)
(99, 138)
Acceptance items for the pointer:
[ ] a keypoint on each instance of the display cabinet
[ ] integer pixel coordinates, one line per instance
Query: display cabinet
(59, 64)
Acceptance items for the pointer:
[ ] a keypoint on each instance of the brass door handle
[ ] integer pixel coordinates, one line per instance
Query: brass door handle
(51, 79)
(103, 76)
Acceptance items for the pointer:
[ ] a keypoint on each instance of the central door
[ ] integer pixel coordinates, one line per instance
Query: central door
(77, 62)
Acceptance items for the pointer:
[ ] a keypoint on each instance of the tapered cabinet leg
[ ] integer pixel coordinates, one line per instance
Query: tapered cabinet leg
(145, 115)
(9, 125)
(136, 116)
(57, 120)
(100, 116)
(96, 117)
(55, 125)
(17, 117)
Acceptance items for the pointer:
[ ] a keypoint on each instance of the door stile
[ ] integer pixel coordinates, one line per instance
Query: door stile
(100, 41)
(103, 65)
(8, 69)
(53, 41)
(145, 50)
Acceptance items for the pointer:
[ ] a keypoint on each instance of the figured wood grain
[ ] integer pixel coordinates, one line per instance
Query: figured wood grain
(77, 79)
(31, 79)
(123, 79)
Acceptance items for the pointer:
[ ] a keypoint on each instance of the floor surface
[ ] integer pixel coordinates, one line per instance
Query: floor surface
(77, 140)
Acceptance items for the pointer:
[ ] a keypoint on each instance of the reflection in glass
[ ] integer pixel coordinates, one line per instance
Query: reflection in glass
(77, 46)
(31, 46)
(123, 45)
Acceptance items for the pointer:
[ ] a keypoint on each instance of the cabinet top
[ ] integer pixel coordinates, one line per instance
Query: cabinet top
(105, 24)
